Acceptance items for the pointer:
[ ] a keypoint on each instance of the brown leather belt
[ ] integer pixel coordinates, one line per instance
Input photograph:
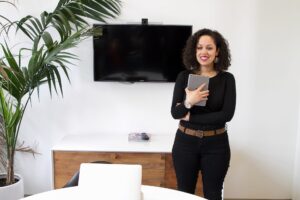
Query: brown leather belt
(200, 133)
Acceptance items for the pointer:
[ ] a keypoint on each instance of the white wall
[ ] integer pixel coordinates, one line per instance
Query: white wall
(264, 41)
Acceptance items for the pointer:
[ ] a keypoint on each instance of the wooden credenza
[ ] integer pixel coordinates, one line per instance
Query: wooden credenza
(154, 156)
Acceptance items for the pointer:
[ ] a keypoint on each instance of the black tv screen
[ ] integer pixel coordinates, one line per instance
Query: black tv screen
(139, 53)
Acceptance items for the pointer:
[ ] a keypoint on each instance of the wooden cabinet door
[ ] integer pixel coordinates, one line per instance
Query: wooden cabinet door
(158, 169)
(67, 163)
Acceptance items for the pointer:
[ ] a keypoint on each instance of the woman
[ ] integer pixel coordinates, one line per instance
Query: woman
(201, 141)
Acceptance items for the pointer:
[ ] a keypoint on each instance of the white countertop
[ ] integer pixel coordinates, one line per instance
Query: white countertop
(114, 143)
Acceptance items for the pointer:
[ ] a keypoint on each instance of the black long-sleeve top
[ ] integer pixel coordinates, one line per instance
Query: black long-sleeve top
(219, 108)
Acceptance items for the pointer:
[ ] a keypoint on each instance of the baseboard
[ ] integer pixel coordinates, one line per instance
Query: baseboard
(257, 199)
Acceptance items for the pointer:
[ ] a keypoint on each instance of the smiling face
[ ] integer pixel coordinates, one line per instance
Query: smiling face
(206, 51)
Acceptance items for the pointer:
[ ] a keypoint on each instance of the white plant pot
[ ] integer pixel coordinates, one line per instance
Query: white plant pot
(14, 191)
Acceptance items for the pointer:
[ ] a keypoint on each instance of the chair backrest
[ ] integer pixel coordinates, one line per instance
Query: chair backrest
(114, 182)
(74, 179)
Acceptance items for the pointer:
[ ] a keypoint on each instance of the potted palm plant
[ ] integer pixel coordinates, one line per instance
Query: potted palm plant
(46, 60)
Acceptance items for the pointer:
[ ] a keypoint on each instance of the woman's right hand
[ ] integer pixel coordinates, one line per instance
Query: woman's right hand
(195, 96)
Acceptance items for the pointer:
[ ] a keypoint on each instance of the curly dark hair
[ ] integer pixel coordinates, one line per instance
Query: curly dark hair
(189, 52)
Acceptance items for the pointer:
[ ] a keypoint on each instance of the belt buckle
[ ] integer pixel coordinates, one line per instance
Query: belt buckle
(199, 133)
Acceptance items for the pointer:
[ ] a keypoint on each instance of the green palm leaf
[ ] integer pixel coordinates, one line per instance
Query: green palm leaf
(68, 15)
(48, 57)
(3, 26)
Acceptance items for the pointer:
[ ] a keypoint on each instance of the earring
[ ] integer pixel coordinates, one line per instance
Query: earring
(216, 59)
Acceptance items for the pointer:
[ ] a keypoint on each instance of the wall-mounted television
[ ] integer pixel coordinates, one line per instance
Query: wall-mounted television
(139, 53)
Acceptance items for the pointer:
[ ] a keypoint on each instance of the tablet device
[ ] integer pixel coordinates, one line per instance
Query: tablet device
(195, 81)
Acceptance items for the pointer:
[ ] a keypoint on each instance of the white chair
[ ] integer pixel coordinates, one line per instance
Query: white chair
(113, 181)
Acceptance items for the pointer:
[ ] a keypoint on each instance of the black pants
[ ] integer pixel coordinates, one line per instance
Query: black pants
(211, 155)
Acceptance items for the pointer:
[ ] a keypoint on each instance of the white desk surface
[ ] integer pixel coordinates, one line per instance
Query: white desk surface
(115, 143)
(148, 193)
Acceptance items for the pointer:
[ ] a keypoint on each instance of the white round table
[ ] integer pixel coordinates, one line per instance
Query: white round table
(148, 193)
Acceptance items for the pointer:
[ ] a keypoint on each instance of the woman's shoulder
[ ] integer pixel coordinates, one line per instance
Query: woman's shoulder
(226, 75)
(182, 77)
(183, 74)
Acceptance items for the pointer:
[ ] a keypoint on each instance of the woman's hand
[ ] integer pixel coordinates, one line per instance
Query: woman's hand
(195, 96)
